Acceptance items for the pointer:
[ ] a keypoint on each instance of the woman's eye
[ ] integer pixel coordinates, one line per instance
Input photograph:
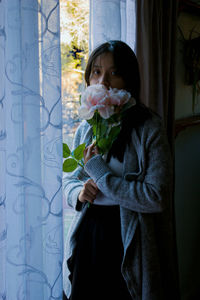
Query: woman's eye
(96, 72)
(114, 73)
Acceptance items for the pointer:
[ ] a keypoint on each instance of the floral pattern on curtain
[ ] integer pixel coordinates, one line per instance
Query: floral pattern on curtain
(30, 151)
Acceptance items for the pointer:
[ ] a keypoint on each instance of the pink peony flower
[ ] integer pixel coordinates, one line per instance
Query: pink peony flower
(100, 103)
(106, 102)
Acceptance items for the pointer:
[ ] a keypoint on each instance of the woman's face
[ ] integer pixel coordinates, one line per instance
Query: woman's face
(104, 72)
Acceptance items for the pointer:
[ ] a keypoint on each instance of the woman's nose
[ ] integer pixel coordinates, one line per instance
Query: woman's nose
(104, 80)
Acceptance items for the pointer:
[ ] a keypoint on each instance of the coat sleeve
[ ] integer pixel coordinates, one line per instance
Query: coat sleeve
(149, 193)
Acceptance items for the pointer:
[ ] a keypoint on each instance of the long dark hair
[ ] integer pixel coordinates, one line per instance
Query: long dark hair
(127, 66)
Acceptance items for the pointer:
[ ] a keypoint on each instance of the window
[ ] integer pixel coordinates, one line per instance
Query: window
(74, 54)
(74, 23)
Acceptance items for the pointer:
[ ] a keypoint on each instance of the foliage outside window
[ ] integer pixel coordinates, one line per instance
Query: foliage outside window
(74, 53)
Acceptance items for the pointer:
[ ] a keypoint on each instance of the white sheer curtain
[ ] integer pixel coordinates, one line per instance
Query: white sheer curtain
(112, 20)
(30, 151)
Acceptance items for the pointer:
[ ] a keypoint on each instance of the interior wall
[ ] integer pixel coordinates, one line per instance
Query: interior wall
(187, 175)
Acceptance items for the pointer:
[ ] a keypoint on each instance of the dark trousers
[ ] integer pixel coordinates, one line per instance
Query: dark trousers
(96, 263)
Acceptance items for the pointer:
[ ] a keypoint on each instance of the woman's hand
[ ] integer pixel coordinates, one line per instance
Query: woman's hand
(90, 189)
(88, 192)
(89, 152)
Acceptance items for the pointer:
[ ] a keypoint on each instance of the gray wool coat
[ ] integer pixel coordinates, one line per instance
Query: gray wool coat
(144, 194)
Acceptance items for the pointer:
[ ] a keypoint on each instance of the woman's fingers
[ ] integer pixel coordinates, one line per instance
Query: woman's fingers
(90, 151)
(90, 189)
(88, 192)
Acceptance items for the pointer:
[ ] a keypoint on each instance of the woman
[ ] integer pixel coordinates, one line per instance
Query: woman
(121, 245)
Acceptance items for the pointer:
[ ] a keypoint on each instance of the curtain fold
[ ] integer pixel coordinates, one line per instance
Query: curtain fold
(112, 20)
(156, 35)
(30, 150)
(156, 23)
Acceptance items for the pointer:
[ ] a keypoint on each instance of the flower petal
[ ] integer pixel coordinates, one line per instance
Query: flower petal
(106, 112)
(85, 113)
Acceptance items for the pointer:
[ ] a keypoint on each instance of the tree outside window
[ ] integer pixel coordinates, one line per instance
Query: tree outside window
(74, 53)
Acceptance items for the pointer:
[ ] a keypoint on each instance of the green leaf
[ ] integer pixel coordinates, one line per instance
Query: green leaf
(103, 145)
(114, 132)
(78, 152)
(66, 151)
(103, 128)
(91, 121)
(94, 128)
(113, 119)
(69, 165)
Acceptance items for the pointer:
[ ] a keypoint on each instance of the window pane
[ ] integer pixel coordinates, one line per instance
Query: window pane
(74, 22)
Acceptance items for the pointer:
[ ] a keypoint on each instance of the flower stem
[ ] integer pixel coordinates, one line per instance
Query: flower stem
(97, 129)
(80, 164)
